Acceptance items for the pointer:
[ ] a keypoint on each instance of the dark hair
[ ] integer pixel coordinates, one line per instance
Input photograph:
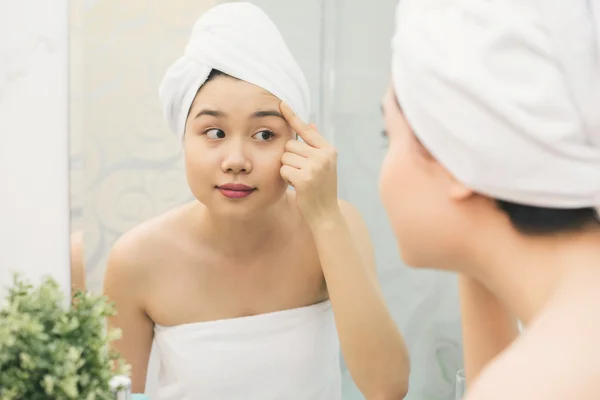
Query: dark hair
(542, 220)
(214, 73)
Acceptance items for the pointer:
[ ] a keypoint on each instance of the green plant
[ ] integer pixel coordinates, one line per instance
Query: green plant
(50, 351)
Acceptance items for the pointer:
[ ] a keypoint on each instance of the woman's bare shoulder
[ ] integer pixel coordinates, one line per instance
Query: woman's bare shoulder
(77, 262)
(145, 245)
(557, 357)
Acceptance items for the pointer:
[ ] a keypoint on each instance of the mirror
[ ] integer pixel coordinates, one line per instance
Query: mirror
(134, 166)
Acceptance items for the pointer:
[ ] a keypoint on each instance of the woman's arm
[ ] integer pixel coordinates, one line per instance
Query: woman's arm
(373, 347)
(488, 327)
(77, 263)
(121, 286)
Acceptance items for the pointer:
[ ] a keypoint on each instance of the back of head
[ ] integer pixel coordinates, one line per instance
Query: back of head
(505, 95)
(535, 220)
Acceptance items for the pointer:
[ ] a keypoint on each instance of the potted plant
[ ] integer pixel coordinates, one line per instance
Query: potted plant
(49, 351)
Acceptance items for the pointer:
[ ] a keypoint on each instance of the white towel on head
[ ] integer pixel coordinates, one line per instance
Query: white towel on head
(505, 94)
(240, 40)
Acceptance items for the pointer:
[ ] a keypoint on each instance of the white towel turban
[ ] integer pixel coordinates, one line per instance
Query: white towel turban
(505, 94)
(240, 40)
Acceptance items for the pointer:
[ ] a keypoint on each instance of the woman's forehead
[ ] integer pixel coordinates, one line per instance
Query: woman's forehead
(227, 93)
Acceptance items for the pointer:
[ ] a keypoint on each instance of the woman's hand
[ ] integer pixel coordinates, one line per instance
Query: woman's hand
(311, 168)
(373, 348)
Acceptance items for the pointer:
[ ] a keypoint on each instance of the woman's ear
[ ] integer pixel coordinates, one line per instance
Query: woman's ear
(459, 191)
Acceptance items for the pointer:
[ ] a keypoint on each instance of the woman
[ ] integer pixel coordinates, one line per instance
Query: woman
(493, 171)
(77, 263)
(242, 290)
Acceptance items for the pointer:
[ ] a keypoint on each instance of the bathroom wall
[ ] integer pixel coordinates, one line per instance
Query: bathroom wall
(133, 164)
(34, 161)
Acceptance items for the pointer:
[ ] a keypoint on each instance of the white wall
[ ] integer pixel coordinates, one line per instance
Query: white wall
(34, 206)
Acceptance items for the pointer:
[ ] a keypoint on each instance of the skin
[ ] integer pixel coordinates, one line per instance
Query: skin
(549, 282)
(77, 264)
(488, 326)
(276, 249)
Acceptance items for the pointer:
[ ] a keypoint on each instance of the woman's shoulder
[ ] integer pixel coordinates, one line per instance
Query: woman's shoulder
(144, 245)
(557, 357)
(77, 262)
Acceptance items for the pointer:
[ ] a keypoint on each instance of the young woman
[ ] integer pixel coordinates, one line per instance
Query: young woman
(77, 263)
(246, 290)
(493, 171)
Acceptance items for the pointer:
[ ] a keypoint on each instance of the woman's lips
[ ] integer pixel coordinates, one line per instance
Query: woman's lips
(235, 190)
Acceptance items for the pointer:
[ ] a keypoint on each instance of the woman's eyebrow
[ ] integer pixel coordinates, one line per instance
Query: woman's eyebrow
(211, 112)
(258, 114)
(267, 113)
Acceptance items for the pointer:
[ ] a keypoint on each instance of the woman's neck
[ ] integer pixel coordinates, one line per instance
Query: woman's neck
(528, 272)
(245, 237)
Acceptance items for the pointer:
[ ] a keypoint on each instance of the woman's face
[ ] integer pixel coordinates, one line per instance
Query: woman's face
(234, 139)
(417, 193)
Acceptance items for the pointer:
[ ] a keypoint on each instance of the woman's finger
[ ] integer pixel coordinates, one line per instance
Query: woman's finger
(293, 160)
(306, 132)
(300, 148)
(289, 174)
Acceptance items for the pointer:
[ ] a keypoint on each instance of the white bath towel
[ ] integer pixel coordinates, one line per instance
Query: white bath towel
(505, 94)
(240, 40)
(283, 355)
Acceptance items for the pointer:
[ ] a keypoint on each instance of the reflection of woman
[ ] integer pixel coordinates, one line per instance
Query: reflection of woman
(77, 264)
(493, 171)
(242, 290)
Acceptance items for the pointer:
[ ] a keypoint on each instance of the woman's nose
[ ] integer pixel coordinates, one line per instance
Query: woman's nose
(236, 160)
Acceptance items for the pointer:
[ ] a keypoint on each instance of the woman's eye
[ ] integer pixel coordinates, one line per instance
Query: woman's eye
(264, 135)
(215, 134)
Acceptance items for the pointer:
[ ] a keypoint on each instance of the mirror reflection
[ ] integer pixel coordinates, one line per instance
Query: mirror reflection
(185, 252)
